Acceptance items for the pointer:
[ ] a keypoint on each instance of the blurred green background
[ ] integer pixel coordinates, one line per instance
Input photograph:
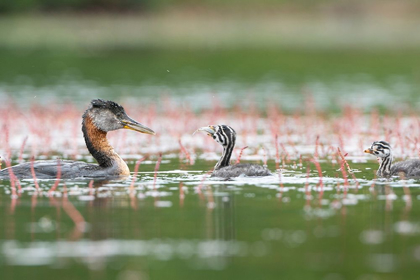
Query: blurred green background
(164, 24)
(363, 52)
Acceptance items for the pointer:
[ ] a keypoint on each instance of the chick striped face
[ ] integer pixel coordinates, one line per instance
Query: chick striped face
(380, 149)
(223, 134)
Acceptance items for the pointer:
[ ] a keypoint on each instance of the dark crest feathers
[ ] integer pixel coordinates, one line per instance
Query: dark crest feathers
(110, 105)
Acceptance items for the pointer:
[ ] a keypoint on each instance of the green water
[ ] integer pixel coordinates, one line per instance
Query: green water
(173, 67)
(226, 230)
(240, 229)
(369, 79)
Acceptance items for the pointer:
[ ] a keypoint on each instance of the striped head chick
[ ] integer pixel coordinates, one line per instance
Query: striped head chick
(382, 150)
(225, 136)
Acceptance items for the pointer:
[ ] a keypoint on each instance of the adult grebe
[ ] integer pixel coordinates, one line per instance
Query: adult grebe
(226, 136)
(101, 116)
(406, 169)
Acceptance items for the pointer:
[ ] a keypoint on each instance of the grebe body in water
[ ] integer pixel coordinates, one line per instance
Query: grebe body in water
(405, 169)
(226, 136)
(101, 116)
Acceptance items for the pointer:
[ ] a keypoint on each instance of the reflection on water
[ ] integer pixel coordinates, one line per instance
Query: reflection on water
(94, 242)
(211, 254)
(215, 225)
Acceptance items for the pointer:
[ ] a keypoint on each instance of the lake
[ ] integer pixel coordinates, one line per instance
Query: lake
(295, 111)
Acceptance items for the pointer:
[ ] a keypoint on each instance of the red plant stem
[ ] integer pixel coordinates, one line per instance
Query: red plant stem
(156, 170)
(202, 181)
(238, 160)
(283, 162)
(316, 147)
(281, 182)
(292, 144)
(277, 153)
(133, 201)
(408, 201)
(307, 192)
(12, 184)
(318, 167)
(338, 185)
(346, 182)
(90, 186)
(74, 215)
(348, 167)
(210, 198)
(406, 190)
(13, 208)
(6, 141)
(340, 140)
(274, 129)
(57, 181)
(307, 180)
(388, 200)
(285, 151)
(33, 174)
(65, 194)
(33, 202)
(22, 149)
(136, 170)
(265, 157)
(343, 159)
(187, 155)
(372, 186)
(13, 180)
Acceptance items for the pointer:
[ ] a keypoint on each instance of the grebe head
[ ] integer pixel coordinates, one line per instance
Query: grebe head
(380, 149)
(223, 134)
(108, 116)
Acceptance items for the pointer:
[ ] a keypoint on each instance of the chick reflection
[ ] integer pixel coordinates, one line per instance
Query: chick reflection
(220, 216)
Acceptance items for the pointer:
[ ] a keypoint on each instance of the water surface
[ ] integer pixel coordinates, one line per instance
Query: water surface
(291, 108)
